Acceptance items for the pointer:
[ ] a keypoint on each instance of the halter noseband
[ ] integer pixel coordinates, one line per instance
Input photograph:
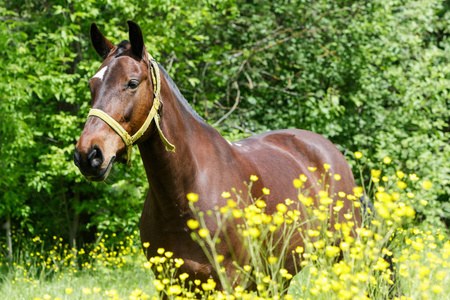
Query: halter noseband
(153, 114)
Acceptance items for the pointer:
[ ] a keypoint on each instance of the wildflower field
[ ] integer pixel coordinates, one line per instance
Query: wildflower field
(348, 261)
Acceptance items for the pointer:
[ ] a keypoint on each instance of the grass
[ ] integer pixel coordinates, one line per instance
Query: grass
(116, 272)
(125, 275)
(113, 268)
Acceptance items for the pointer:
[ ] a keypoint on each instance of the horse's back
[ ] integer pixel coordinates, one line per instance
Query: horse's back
(300, 147)
(280, 156)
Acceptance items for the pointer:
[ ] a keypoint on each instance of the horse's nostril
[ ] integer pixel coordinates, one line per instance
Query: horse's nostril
(96, 162)
(95, 157)
(92, 154)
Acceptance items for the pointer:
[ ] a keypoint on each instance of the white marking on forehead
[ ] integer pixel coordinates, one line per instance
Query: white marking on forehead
(101, 73)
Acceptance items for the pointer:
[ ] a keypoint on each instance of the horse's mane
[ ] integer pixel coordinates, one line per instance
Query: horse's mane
(178, 95)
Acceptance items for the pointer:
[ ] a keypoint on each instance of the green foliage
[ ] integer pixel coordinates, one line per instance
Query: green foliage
(372, 76)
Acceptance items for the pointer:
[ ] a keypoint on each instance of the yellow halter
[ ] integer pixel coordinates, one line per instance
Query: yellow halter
(153, 114)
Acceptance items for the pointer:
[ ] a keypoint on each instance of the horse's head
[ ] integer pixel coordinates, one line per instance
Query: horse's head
(122, 98)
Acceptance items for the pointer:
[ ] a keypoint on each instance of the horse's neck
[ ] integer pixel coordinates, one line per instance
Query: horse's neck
(169, 174)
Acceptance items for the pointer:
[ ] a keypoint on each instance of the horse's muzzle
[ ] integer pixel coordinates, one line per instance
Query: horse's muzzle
(90, 164)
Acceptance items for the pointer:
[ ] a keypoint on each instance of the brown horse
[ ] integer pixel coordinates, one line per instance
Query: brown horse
(135, 101)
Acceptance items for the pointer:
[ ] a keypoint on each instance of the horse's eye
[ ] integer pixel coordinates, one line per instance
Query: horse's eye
(133, 84)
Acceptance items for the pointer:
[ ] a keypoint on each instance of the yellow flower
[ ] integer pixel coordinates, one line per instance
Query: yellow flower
(339, 206)
(87, 291)
(96, 290)
(413, 177)
(231, 203)
(203, 232)
(69, 290)
(178, 262)
(209, 285)
(193, 224)
(358, 191)
(297, 183)
(401, 185)
(158, 284)
(193, 197)
(326, 200)
(247, 268)
(381, 264)
(375, 173)
(136, 293)
(436, 289)
(303, 177)
(266, 219)
(418, 245)
(396, 196)
(441, 275)
(423, 271)
(427, 184)
(237, 213)
(146, 244)
(278, 220)
(254, 232)
(387, 160)
(341, 194)
(424, 202)
(319, 244)
(253, 178)
(266, 191)
(288, 201)
(307, 201)
(326, 166)
(281, 208)
(313, 232)
(272, 260)
(358, 155)
(299, 249)
(382, 210)
(312, 169)
(400, 174)
(226, 195)
(337, 177)
(260, 203)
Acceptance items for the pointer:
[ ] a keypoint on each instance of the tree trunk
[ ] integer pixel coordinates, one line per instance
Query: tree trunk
(7, 227)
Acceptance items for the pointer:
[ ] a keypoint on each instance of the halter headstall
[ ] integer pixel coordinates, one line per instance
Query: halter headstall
(153, 115)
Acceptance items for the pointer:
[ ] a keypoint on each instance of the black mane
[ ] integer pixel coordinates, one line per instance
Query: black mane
(122, 47)
(179, 96)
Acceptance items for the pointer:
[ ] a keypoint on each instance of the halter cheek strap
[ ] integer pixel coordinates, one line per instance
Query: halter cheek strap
(153, 115)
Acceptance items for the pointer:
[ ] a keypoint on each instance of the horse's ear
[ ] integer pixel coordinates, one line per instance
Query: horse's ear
(100, 43)
(136, 39)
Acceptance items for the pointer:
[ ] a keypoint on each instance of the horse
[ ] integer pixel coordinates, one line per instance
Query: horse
(135, 101)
